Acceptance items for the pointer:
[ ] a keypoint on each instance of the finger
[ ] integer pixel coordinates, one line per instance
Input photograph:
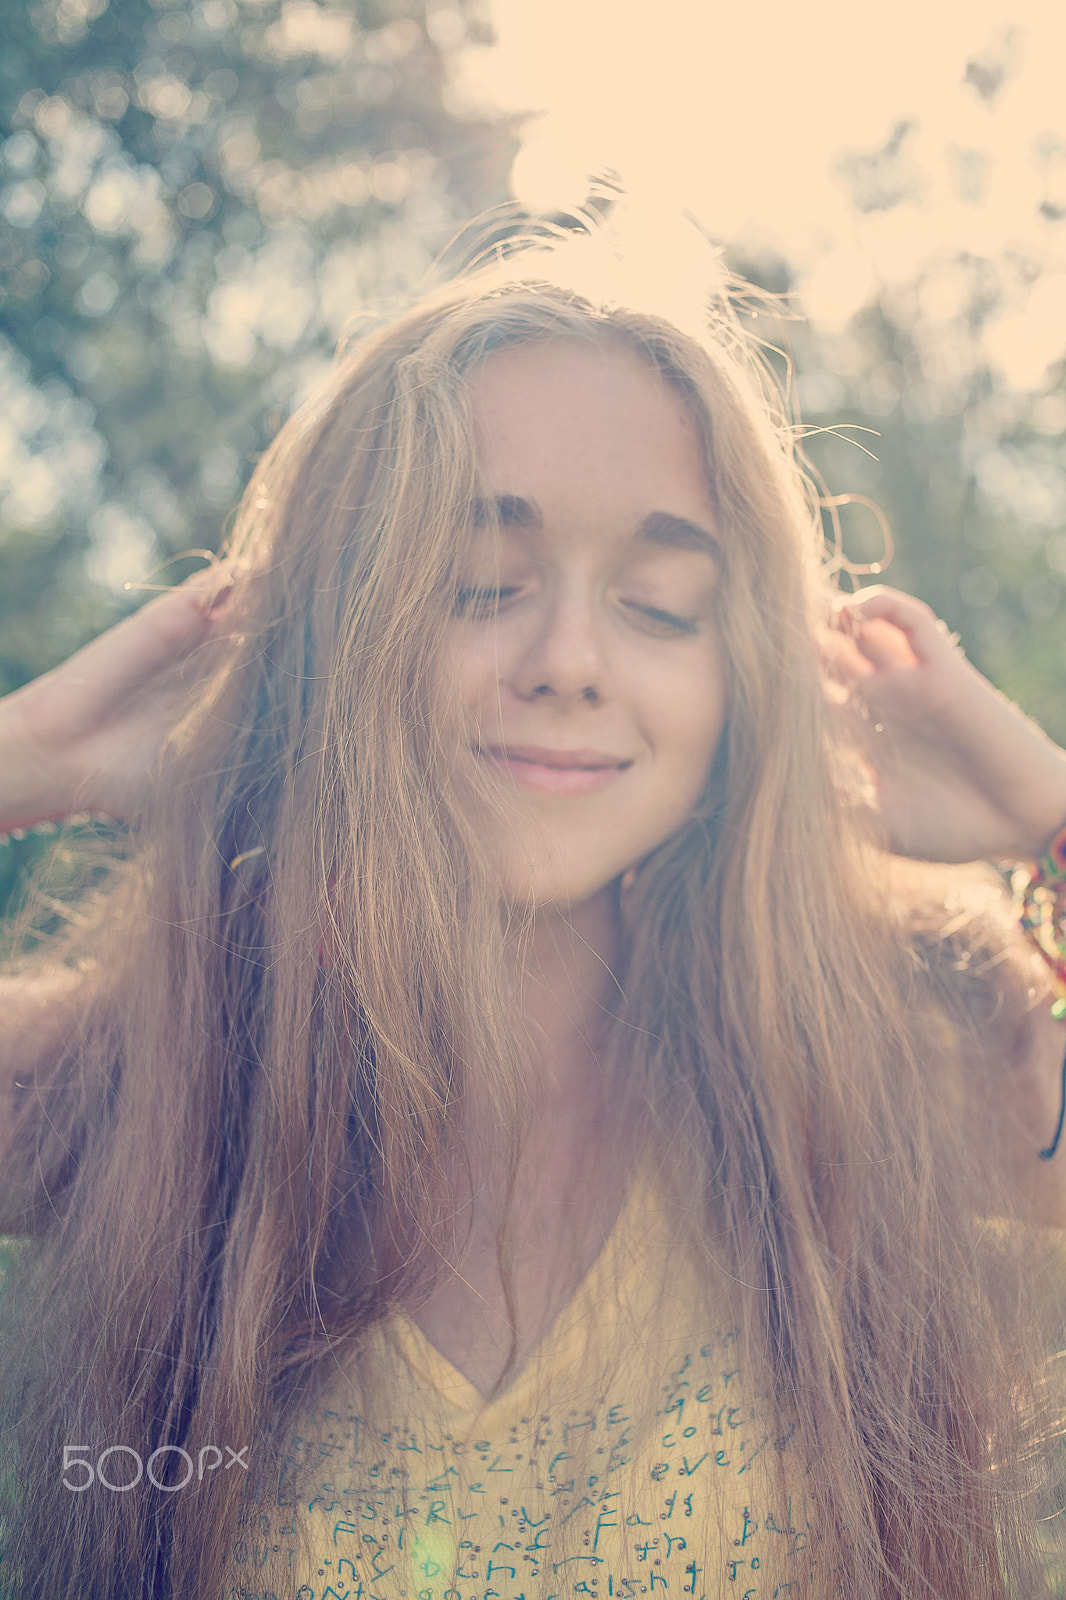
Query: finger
(213, 586)
(884, 645)
(156, 637)
(915, 622)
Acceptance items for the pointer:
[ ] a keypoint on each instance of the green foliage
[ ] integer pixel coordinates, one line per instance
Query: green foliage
(47, 871)
(902, 409)
(970, 477)
(194, 200)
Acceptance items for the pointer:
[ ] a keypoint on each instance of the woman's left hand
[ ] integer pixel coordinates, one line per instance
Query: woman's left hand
(961, 774)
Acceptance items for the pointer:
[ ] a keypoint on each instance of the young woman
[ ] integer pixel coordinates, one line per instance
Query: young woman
(515, 1125)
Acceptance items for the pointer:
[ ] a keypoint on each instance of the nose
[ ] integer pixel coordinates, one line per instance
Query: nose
(562, 657)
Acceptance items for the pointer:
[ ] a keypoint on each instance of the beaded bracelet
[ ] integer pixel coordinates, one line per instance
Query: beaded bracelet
(1040, 906)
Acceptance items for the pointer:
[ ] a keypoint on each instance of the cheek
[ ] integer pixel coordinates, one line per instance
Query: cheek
(479, 695)
(698, 702)
(470, 675)
(696, 749)
(696, 741)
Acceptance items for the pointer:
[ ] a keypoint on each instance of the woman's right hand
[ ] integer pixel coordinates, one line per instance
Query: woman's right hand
(960, 773)
(85, 736)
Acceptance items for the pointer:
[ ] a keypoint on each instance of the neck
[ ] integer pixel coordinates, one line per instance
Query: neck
(566, 990)
(527, 1218)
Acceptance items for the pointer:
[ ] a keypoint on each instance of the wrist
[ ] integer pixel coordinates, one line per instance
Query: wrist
(30, 790)
(1040, 905)
(1042, 819)
(1051, 860)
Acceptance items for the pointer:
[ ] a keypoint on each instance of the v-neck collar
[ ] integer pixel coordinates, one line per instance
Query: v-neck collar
(560, 1346)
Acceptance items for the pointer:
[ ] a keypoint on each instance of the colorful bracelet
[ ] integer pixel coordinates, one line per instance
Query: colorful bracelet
(1040, 906)
(1046, 1155)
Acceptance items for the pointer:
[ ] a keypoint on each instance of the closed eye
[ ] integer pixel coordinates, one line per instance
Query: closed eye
(481, 601)
(664, 621)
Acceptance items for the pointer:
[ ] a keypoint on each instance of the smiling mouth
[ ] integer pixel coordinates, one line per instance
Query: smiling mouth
(556, 771)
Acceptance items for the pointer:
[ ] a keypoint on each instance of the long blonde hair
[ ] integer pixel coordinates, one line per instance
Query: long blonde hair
(288, 978)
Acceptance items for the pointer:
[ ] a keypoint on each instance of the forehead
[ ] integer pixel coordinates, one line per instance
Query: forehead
(585, 446)
(561, 407)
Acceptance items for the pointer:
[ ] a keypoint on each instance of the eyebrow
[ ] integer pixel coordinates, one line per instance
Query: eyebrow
(507, 511)
(660, 528)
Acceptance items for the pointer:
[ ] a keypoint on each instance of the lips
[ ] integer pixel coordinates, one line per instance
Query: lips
(556, 771)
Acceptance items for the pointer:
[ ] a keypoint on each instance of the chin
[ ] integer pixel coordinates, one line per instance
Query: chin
(565, 892)
(534, 875)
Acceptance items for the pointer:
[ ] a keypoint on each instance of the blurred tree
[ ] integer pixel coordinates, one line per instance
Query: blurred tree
(194, 198)
(942, 399)
(970, 472)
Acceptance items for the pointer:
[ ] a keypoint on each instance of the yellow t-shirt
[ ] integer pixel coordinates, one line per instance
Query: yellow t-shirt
(626, 1459)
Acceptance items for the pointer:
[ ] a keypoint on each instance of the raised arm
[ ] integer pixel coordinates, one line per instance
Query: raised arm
(962, 775)
(84, 737)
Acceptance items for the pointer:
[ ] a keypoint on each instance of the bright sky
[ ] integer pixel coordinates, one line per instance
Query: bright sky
(740, 113)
